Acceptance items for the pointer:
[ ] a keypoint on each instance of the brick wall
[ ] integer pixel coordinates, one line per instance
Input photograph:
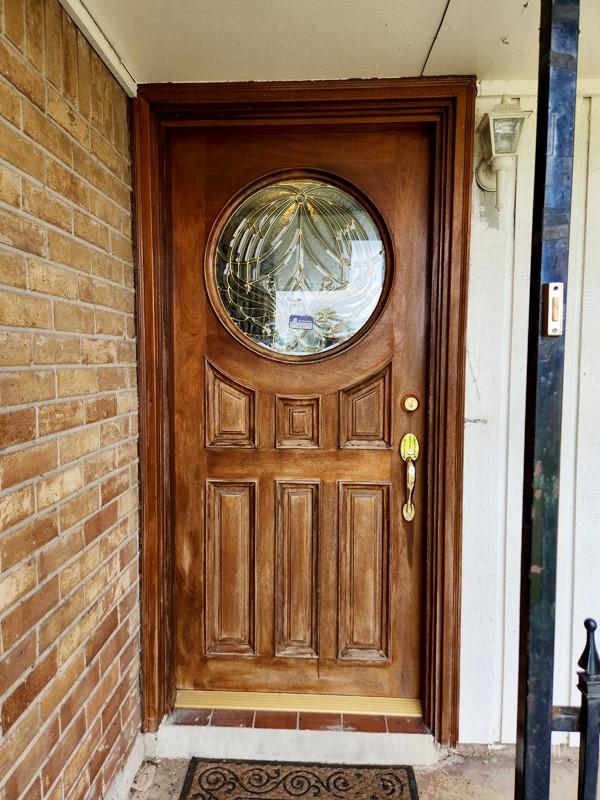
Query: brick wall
(69, 612)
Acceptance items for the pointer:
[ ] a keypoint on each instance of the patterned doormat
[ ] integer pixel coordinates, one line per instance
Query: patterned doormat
(208, 779)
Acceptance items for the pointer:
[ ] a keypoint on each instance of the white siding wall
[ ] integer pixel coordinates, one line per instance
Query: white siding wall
(494, 420)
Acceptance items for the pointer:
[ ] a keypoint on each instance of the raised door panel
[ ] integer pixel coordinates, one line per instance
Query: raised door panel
(230, 567)
(364, 531)
(366, 412)
(230, 411)
(297, 573)
(297, 422)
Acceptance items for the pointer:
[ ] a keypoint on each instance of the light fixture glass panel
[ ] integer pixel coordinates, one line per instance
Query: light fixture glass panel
(300, 267)
(507, 131)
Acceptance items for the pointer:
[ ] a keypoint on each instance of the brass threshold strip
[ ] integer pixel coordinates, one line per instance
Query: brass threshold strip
(275, 701)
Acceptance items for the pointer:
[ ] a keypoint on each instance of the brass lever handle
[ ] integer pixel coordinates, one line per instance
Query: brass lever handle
(409, 452)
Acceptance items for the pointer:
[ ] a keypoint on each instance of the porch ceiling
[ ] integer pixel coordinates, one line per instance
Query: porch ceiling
(234, 40)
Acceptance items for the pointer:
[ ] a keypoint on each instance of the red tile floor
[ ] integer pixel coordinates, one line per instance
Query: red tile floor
(292, 720)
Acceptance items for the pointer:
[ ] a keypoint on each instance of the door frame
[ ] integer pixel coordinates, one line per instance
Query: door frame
(448, 106)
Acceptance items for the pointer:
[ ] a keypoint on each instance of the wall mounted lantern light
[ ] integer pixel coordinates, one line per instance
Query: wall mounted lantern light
(500, 131)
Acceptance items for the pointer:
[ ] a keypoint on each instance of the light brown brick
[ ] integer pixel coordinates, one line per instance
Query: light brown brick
(15, 349)
(12, 269)
(24, 312)
(10, 187)
(120, 246)
(78, 633)
(14, 665)
(38, 753)
(75, 772)
(57, 487)
(21, 233)
(22, 75)
(59, 552)
(26, 386)
(19, 150)
(47, 134)
(114, 431)
(53, 280)
(24, 464)
(10, 103)
(28, 690)
(98, 351)
(67, 745)
(60, 417)
(66, 116)
(34, 18)
(17, 583)
(100, 177)
(66, 679)
(69, 252)
(72, 317)
(80, 443)
(24, 541)
(53, 25)
(69, 53)
(114, 486)
(19, 739)
(78, 508)
(48, 349)
(101, 579)
(14, 22)
(91, 230)
(96, 291)
(99, 464)
(17, 426)
(83, 76)
(42, 204)
(100, 522)
(124, 300)
(110, 323)
(73, 382)
(60, 619)
(111, 378)
(78, 570)
(99, 408)
(106, 266)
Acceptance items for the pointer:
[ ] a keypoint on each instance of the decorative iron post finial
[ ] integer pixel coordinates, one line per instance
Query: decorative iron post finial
(590, 660)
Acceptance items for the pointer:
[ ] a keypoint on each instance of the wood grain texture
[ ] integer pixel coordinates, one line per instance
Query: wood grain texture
(446, 108)
(366, 412)
(364, 541)
(230, 567)
(297, 569)
(297, 422)
(230, 411)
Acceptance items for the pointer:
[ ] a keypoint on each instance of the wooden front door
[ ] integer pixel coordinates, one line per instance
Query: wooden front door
(295, 569)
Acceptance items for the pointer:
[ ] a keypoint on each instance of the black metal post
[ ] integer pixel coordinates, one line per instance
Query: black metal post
(589, 722)
(559, 30)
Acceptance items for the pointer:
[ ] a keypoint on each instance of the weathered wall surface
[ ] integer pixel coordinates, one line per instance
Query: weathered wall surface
(69, 616)
(494, 421)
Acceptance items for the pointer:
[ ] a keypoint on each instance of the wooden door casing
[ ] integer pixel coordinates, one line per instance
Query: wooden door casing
(365, 601)
(447, 105)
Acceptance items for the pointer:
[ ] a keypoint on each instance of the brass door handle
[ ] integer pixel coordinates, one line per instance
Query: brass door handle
(409, 452)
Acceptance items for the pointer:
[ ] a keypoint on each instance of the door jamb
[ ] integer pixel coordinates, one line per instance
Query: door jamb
(448, 105)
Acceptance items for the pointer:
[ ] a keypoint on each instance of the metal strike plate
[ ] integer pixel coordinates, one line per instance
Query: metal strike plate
(553, 309)
(410, 403)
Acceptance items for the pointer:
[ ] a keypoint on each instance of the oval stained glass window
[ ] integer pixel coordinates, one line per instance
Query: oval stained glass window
(299, 268)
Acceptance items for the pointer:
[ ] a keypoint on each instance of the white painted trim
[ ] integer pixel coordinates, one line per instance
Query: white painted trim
(119, 787)
(325, 747)
(586, 87)
(96, 37)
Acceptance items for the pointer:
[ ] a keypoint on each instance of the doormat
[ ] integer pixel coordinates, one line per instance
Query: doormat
(209, 779)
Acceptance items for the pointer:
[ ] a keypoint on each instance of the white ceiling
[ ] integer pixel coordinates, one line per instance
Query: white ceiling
(242, 40)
